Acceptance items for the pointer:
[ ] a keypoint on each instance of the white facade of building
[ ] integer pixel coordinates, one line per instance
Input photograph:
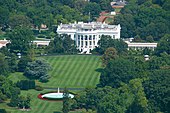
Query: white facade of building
(87, 35)
(141, 46)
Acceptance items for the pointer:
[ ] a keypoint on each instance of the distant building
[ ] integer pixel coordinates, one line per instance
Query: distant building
(3, 43)
(87, 35)
(141, 46)
(118, 3)
(41, 43)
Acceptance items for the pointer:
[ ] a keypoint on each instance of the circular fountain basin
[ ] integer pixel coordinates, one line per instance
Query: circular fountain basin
(55, 95)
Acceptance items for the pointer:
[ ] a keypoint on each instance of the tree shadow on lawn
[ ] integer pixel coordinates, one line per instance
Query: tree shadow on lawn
(57, 112)
(99, 70)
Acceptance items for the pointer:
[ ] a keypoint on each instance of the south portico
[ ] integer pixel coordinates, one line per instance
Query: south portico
(87, 35)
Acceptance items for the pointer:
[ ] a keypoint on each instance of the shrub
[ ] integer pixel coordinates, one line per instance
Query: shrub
(3, 111)
(39, 88)
(26, 84)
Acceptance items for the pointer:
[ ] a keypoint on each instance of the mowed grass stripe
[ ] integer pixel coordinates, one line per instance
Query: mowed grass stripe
(74, 74)
(67, 69)
(57, 73)
(70, 74)
(83, 71)
(44, 109)
(65, 64)
(79, 71)
(95, 75)
(87, 70)
(91, 75)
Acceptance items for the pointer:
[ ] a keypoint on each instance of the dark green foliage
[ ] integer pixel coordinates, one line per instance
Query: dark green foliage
(3, 111)
(109, 54)
(22, 64)
(111, 100)
(14, 101)
(12, 62)
(39, 88)
(163, 45)
(106, 42)
(92, 9)
(26, 84)
(65, 101)
(35, 12)
(37, 69)
(8, 91)
(62, 44)
(19, 20)
(144, 19)
(21, 38)
(4, 15)
(2, 97)
(24, 102)
(4, 67)
(157, 90)
(113, 75)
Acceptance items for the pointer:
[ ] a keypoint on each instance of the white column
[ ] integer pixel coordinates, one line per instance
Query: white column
(77, 41)
(80, 43)
(96, 40)
(84, 44)
(92, 42)
(88, 41)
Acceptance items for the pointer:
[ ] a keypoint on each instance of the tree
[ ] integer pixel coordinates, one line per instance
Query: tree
(24, 102)
(105, 5)
(4, 15)
(62, 44)
(164, 45)
(12, 62)
(37, 70)
(3, 111)
(68, 44)
(4, 68)
(22, 64)
(92, 9)
(125, 99)
(26, 84)
(140, 102)
(112, 75)
(19, 20)
(109, 54)
(65, 101)
(157, 90)
(21, 40)
(106, 42)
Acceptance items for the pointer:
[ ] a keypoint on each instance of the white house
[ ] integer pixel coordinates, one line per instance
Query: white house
(87, 35)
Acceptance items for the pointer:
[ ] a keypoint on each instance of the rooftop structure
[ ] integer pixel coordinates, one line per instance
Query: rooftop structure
(87, 35)
(118, 3)
(4, 43)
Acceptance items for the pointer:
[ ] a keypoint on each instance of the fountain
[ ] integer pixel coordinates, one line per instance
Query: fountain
(54, 95)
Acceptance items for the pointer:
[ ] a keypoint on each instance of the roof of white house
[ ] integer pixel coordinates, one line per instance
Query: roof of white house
(91, 25)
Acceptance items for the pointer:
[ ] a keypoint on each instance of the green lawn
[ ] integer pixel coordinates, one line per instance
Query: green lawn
(73, 71)
(37, 105)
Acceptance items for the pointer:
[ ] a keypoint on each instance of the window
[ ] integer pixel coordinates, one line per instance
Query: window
(90, 37)
(85, 37)
(90, 43)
